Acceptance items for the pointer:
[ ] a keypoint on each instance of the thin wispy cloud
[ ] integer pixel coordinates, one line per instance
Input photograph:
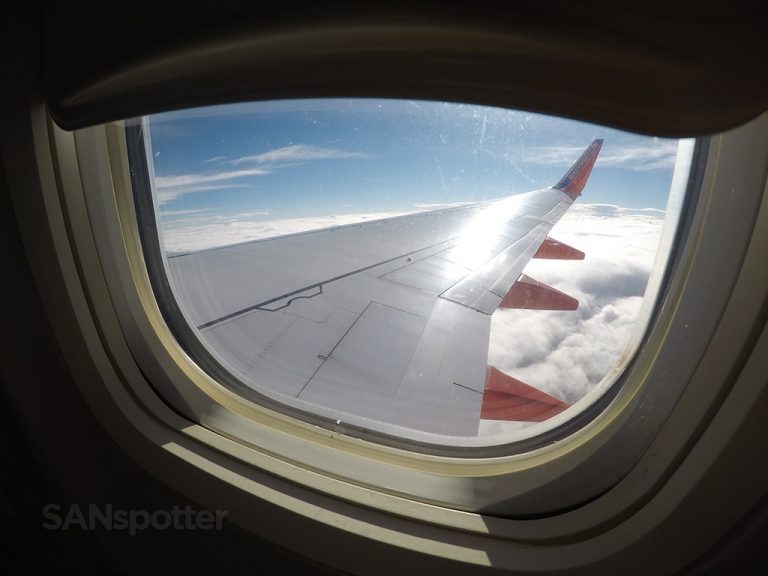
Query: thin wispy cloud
(437, 206)
(657, 155)
(296, 153)
(166, 195)
(170, 188)
(173, 213)
(195, 179)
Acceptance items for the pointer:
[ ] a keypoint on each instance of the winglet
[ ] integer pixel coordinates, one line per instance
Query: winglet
(576, 178)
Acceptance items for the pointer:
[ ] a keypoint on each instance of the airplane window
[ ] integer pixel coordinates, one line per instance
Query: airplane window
(447, 273)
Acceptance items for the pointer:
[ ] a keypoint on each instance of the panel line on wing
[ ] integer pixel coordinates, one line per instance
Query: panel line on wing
(325, 357)
(467, 388)
(292, 300)
(260, 305)
(363, 373)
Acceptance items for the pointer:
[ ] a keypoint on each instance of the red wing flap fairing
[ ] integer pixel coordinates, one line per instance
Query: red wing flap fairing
(551, 249)
(529, 294)
(508, 398)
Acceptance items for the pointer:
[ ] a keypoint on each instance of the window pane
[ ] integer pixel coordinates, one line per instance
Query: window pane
(441, 272)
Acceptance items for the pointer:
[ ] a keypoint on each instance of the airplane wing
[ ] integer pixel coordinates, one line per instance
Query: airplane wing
(387, 320)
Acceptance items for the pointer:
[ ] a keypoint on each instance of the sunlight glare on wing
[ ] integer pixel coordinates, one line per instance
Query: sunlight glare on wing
(483, 232)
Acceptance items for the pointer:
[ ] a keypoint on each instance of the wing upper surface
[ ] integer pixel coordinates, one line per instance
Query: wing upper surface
(386, 320)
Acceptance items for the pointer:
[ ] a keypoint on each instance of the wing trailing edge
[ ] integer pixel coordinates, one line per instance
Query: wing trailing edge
(505, 397)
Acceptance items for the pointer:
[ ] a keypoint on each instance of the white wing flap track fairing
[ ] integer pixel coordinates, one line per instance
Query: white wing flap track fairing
(387, 320)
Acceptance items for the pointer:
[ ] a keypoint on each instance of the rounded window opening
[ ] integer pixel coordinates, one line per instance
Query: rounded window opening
(442, 273)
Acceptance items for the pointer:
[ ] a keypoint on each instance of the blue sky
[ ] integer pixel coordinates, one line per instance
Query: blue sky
(300, 158)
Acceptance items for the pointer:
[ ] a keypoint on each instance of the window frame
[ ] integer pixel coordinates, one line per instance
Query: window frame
(130, 349)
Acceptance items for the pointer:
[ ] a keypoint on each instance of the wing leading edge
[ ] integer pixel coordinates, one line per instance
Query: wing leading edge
(386, 323)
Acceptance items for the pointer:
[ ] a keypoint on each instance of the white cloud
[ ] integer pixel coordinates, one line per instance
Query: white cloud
(296, 153)
(422, 206)
(166, 195)
(196, 179)
(567, 354)
(654, 155)
(172, 213)
(207, 232)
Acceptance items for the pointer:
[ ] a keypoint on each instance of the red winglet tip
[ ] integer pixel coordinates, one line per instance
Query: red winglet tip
(576, 178)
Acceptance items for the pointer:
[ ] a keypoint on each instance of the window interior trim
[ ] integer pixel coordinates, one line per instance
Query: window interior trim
(96, 345)
(452, 51)
(238, 427)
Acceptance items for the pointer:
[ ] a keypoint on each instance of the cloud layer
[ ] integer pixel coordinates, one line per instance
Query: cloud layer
(208, 231)
(567, 354)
